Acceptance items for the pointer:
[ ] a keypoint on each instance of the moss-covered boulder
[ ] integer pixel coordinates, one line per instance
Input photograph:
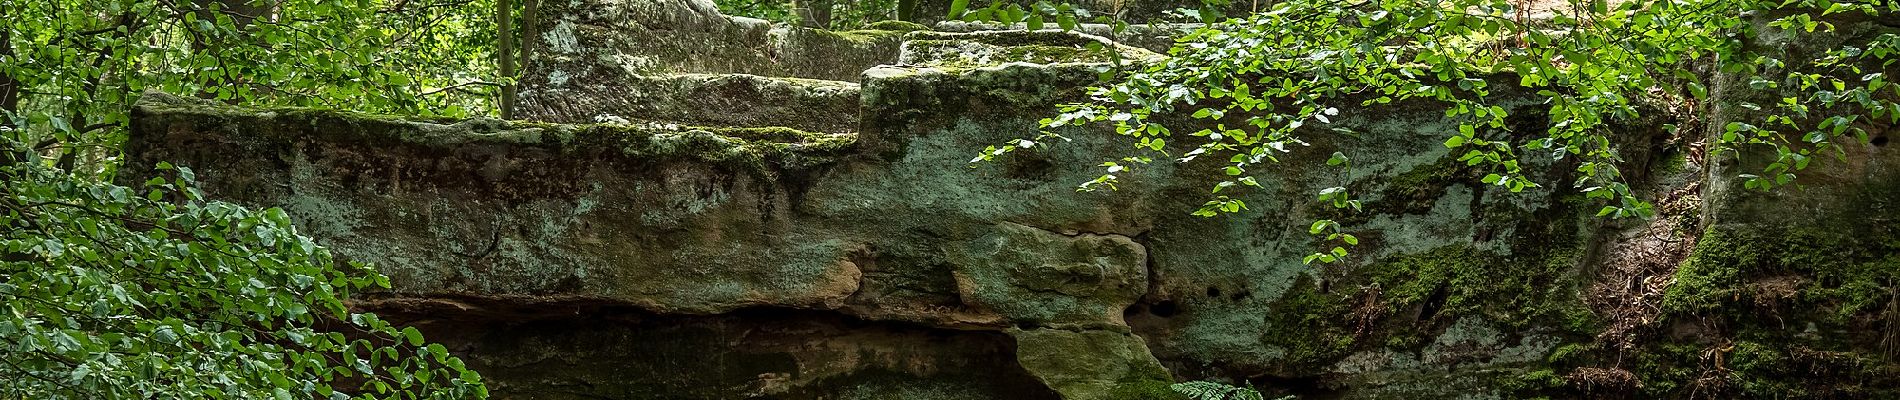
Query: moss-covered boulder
(1087, 365)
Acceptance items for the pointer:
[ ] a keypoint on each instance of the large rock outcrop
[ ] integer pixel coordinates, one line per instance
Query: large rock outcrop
(742, 230)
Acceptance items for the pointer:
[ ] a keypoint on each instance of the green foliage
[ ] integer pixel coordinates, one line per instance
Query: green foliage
(1043, 14)
(1258, 88)
(1038, 15)
(770, 10)
(115, 292)
(1536, 380)
(111, 292)
(844, 14)
(81, 63)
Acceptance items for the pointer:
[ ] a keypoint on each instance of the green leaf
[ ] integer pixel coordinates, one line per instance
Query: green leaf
(414, 336)
(957, 9)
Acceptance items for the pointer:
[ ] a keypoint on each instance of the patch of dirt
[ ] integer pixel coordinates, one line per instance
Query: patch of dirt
(1770, 293)
(1640, 268)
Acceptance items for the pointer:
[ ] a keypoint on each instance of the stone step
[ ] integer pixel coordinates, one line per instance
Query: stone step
(725, 100)
(1157, 37)
(586, 42)
(998, 47)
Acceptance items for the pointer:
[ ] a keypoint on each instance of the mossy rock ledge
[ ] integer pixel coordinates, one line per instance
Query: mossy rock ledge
(733, 225)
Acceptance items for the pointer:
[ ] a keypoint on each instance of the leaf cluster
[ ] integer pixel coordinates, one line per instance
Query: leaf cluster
(1251, 90)
(110, 292)
(77, 65)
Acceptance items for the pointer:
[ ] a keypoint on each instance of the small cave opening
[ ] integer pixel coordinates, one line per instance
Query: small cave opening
(1213, 292)
(1433, 303)
(1165, 309)
(1878, 141)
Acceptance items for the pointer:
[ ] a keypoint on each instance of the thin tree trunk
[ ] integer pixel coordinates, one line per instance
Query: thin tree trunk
(813, 13)
(505, 53)
(9, 87)
(9, 98)
(527, 30)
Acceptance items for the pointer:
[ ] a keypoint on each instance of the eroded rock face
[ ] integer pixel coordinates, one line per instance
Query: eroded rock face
(1033, 277)
(765, 235)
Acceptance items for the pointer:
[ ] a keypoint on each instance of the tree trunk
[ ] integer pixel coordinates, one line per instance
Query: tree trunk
(907, 10)
(9, 87)
(527, 29)
(9, 99)
(505, 54)
(813, 13)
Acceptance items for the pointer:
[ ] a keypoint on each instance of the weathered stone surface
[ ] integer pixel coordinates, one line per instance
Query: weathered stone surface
(1155, 37)
(1087, 364)
(1035, 277)
(710, 99)
(490, 209)
(616, 57)
(976, 49)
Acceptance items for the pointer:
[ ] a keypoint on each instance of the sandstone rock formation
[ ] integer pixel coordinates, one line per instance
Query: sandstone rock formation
(777, 212)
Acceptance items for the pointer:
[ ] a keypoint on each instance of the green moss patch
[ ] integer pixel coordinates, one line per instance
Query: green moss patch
(759, 150)
(1733, 269)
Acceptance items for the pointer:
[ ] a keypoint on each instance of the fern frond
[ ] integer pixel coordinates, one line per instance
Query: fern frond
(1204, 390)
